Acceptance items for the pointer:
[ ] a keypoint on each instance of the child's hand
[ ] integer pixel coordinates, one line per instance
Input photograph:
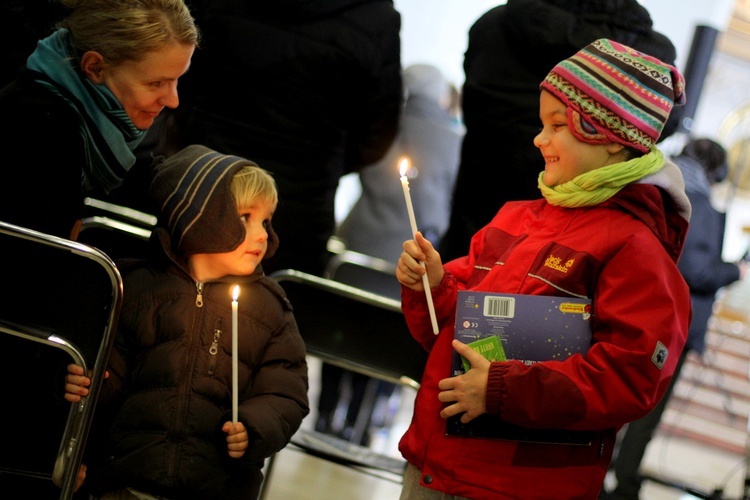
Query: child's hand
(80, 478)
(467, 392)
(237, 441)
(76, 384)
(410, 269)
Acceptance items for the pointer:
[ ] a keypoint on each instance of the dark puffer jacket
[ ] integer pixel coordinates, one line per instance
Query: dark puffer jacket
(170, 384)
(172, 370)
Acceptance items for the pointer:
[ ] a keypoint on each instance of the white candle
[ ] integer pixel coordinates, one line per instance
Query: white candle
(235, 296)
(403, 167)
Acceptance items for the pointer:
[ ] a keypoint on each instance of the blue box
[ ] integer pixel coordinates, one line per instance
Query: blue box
(530, 328)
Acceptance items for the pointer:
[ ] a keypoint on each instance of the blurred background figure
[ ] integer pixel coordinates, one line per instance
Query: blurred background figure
(501, 96)
(22, 24)
(310, 90)
(703, 164)
(378, 224)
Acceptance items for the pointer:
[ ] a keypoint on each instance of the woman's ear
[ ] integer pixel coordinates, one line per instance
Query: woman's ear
(92, 65)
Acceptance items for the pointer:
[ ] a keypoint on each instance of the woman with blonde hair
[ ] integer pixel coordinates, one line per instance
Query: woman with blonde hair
(84, 101)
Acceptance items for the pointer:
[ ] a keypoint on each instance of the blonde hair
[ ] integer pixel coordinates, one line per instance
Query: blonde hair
(127, 30)
(252, 183)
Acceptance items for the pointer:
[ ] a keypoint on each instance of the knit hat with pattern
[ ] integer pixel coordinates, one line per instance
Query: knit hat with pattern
(614, 93)
(192, 190)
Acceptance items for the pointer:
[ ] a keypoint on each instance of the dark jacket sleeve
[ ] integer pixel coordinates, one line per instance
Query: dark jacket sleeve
(278, 401)
(375, 122)
(701, 262)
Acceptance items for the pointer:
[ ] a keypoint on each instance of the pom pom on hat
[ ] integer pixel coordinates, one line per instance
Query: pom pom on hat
(616, 94)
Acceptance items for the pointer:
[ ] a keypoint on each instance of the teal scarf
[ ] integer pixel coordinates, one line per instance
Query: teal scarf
(108, 133)
(599, 185)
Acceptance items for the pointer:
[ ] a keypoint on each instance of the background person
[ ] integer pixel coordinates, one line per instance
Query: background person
(310, 90)
(703, 164)
(378, 223)
(22, 24)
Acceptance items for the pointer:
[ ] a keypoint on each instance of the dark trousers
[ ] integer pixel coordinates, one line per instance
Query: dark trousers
(634, 442)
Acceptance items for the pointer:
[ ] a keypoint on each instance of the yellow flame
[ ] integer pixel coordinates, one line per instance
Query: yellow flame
(236, 293)
(403, 165)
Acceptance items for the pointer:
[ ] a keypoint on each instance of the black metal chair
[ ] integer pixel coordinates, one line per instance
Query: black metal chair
(60, 304)
(119, 231)
(374, 275)
(364, 271)
(360, 331)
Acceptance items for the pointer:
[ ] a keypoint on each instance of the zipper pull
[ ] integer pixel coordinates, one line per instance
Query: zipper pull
(214, 349)
(215, 345)
(199, 297)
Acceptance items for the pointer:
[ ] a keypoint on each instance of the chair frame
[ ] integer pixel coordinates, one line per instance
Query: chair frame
(375, 363)
(79, 419)
(410, 377)
(345, 265)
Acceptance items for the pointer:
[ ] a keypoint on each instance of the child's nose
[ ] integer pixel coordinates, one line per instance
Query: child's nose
(261, 234)
(539, 139)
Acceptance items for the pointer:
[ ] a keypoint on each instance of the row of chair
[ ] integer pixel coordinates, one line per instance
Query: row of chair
(62, 305)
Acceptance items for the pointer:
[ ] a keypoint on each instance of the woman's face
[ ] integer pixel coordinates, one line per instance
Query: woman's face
(144, 88)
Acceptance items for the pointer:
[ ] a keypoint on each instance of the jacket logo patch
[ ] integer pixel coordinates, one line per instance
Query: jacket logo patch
(659, 357)
(556, 264)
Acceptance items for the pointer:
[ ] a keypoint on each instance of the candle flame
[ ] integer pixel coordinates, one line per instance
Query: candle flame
(403, 165)
(236, 293)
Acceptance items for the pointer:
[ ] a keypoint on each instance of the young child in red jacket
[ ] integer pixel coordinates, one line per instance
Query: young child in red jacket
(614, 216)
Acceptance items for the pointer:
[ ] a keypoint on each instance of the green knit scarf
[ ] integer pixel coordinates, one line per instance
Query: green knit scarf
(599, 185)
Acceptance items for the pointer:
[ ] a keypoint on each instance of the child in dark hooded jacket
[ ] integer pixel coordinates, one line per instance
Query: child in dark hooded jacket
(170, 373)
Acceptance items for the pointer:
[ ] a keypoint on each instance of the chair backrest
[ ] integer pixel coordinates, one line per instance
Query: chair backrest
(96, 207)
(360, 331)
(116, 238)
(118, 231)
(60, 304)
(364, 271)
(353, 328)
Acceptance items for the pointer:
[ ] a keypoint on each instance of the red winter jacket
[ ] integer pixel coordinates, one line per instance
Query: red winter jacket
(622, 254)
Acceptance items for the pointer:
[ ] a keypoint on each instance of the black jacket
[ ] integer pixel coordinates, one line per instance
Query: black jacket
(43, 159)
(308, 89)
(511, 49)
(701, 262)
